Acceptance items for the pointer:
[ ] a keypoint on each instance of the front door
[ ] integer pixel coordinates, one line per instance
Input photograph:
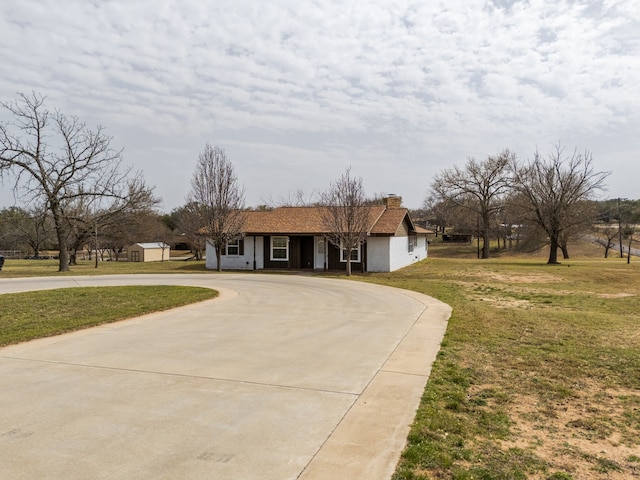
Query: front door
(306, 252)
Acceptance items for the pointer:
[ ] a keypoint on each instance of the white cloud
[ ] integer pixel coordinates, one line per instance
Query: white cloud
(404, 86)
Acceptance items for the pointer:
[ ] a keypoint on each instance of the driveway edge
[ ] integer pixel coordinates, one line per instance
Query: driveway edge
(367, 443)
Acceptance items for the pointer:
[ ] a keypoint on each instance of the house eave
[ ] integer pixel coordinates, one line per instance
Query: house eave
(285, 233)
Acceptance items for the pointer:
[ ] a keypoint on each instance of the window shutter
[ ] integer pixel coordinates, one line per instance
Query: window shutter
(241, 247)
(224, 249)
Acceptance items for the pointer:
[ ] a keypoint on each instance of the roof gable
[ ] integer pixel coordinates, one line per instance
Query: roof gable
(390, 221)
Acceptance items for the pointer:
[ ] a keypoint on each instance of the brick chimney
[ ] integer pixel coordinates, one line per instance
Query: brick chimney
(392, 201)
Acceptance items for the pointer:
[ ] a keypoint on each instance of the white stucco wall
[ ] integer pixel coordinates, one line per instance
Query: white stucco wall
(239, 262)
(378, 254)
(399, 251)
(423, 245)
(386, 254)
(211, 261)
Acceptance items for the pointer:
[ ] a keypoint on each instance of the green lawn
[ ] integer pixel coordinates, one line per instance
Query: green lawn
(538, 376)
(29, 315)
(45, 268)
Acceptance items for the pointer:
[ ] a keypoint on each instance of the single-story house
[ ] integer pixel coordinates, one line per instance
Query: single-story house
(296, 238)
(148, 252)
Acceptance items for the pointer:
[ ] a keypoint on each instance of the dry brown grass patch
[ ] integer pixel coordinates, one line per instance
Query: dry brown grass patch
(588, 436)
(614, 295)
(512, 278)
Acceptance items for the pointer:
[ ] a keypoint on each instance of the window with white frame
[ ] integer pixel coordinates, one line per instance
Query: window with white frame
(355, 254)
(413, 243)
(233, 247)
(280, 248)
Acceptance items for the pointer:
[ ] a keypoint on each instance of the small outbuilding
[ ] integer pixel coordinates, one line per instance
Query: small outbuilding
(148, 252)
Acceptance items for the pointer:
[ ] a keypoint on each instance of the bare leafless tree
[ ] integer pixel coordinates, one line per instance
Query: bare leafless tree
(32, 227)
(511, 221)
(189, 227)
(41, 231)
(126, 228)
(606, 236)
(346, 215)
(631, 241)
(295, 198)
(89, 216)
(628, 214)
(219, 199)
(56, 160)
(442, 214)
(552, 191)
(479, 187)
(579, 223)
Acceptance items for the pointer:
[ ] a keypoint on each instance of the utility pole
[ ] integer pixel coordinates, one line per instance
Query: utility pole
(620, 230)
(96, 233)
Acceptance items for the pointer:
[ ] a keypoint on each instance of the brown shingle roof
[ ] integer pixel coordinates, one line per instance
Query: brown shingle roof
(383, 221)
(389, 221)
(424, 231)
(309, 221)
(294, 220)
(287, 220)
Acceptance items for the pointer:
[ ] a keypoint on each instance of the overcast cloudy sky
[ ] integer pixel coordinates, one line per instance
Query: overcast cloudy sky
(296, 91)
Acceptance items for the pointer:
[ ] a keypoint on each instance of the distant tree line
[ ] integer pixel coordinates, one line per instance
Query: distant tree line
(617, 226)
(547, 201)
(77, 197)
(31, 233)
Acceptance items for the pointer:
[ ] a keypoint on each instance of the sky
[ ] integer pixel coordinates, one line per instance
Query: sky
(298, 91)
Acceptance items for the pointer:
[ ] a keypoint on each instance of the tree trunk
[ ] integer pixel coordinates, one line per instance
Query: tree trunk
(485, 246)
(218, 259)
(620, 237)
(349, 265)
(553, 250)
(486, 234)
(565, 252)
(63, 264)
(61, 234)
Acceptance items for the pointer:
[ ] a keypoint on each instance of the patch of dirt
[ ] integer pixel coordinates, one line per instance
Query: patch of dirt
(596, 294)
(539, 278)
(614, 295)
(506, 303)
(587, 436)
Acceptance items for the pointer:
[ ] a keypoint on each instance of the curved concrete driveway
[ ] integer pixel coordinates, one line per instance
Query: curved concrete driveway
(281, 377)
